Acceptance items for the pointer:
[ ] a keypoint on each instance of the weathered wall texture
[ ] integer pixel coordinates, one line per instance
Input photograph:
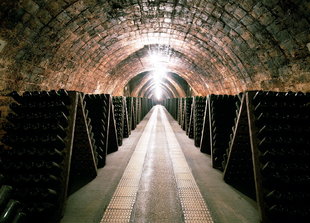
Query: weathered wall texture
(217, 46)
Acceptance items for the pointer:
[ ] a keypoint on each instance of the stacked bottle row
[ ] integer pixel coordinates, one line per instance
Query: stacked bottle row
(280, 125)
(238, 166)
(5, 101)
(181, 104)
(222, 114)
(83, 164)
(205, 146)
(266, 153)
(135, 112)
(126, 127)
(190, 127)
(119, 117)
(199, 110)
(47, 131)
(131, 117)
(235, 125)
(35, 159)
(10, 209)
(171, 105)
(98, 112)
(187, 113)
(128, 113)
(140, 107)
(146, 105)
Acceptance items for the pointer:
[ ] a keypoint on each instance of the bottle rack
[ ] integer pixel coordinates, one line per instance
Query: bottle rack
(150, 104)
(221, 119)
(181, 111)
(199, 111)
(138, 110)
(97, 107)
(131, 113)
(40, 141)
(134, 113)
(237, 106)
(112, 137)
(187, 113)
(238, 170)
(166, 104)
(205, 137)
(5, 101)
(50, 146)
(140, 107)
(119, 117)
(279, 129)
(267, 137)
(175, 110)
(84, 149)
(10, 209)
(145, 103)
(171, 105)
(126, 122)
(190, 128)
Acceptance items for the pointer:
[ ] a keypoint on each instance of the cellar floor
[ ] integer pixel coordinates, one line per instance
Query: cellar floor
(157, 198)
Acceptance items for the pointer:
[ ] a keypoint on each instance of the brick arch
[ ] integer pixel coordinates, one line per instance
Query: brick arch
(141, 83)
(223, 46)
(166, 92)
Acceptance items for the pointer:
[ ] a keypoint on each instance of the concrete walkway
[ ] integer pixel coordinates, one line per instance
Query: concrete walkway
(171, 187)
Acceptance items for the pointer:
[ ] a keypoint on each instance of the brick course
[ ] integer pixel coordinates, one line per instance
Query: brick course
(219, 47)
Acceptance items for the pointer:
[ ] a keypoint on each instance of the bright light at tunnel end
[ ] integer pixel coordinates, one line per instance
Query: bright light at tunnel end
(158, 93)
(159, 72)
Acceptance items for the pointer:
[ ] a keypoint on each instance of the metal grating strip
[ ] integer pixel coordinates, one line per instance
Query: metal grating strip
(193, 205)
(124, 197)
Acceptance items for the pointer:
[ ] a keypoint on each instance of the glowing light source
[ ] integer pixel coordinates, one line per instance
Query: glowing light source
(158, 92)
(159, 61)
(159, 74)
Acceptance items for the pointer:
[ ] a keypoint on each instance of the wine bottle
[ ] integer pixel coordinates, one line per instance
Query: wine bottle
(55, 154)
(19, 217)
(54, 141)
(53, 167)
(61, 119)
(64, 96)
(8, 214)
(14, 119)
(16, 108)
(49, 194)
(16, 96)
(5, 194)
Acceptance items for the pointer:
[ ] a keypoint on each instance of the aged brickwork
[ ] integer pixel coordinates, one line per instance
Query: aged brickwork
(217, 46)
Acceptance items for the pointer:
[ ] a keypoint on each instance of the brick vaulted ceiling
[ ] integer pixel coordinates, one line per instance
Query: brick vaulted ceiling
(98, 46)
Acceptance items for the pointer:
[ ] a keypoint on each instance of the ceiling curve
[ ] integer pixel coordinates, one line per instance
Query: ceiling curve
(144, 85)
(98, 46)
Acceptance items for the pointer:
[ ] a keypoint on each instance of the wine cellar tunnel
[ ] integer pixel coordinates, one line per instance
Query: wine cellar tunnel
(154, 111)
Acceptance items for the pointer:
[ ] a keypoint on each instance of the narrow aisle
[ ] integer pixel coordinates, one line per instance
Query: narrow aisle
(157, 185)
(157, 198)
(158, 175)
(88, 204)
(121, 205)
